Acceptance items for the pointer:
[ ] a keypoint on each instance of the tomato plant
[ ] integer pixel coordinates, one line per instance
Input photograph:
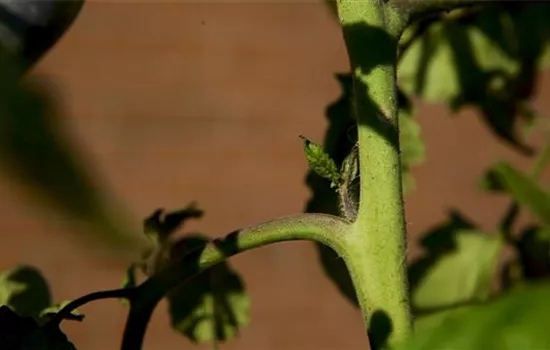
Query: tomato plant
(482, 55)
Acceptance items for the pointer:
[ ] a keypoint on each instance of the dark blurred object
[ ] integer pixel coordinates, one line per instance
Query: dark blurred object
(29, 28)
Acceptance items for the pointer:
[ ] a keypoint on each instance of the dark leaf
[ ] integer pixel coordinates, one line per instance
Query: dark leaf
(25, 291)
(51, 311)
(163, 225)
(534, 252)
(23, 333)
(212, 306)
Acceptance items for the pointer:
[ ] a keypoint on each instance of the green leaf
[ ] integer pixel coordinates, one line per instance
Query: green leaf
(431, 320)
(411, 144)
(212, 306)
(51, 311)
(517, 320)
(484, 57)
(427, 67)
(496, 39)
(525, 191)
(25, 291)
(320, 162)
(463, 274)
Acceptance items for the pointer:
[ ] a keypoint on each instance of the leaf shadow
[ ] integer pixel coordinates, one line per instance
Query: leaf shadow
(39, 153)
(28, 291)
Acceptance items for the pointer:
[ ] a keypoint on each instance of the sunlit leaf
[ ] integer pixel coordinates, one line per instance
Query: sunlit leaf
(517, 320)
(426, 322)
(463, 274)
(484, 57)
(321, 163)
(411, 144)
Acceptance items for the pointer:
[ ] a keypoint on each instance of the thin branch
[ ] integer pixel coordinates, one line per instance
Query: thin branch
(65, 312)
(326, 229)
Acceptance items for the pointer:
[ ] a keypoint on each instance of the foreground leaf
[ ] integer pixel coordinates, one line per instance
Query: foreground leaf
(461, 275)
(25, 291)
(23, 333)
(533, 247)
(51, 311)
(517, 320)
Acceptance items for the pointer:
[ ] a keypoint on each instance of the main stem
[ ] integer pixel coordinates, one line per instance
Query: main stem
(376, 257)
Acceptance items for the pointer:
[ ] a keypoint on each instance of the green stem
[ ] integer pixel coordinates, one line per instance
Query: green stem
(376, 259)
(326, 229)
(65, 312)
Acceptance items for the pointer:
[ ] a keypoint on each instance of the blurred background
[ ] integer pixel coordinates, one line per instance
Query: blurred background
(180, 102)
